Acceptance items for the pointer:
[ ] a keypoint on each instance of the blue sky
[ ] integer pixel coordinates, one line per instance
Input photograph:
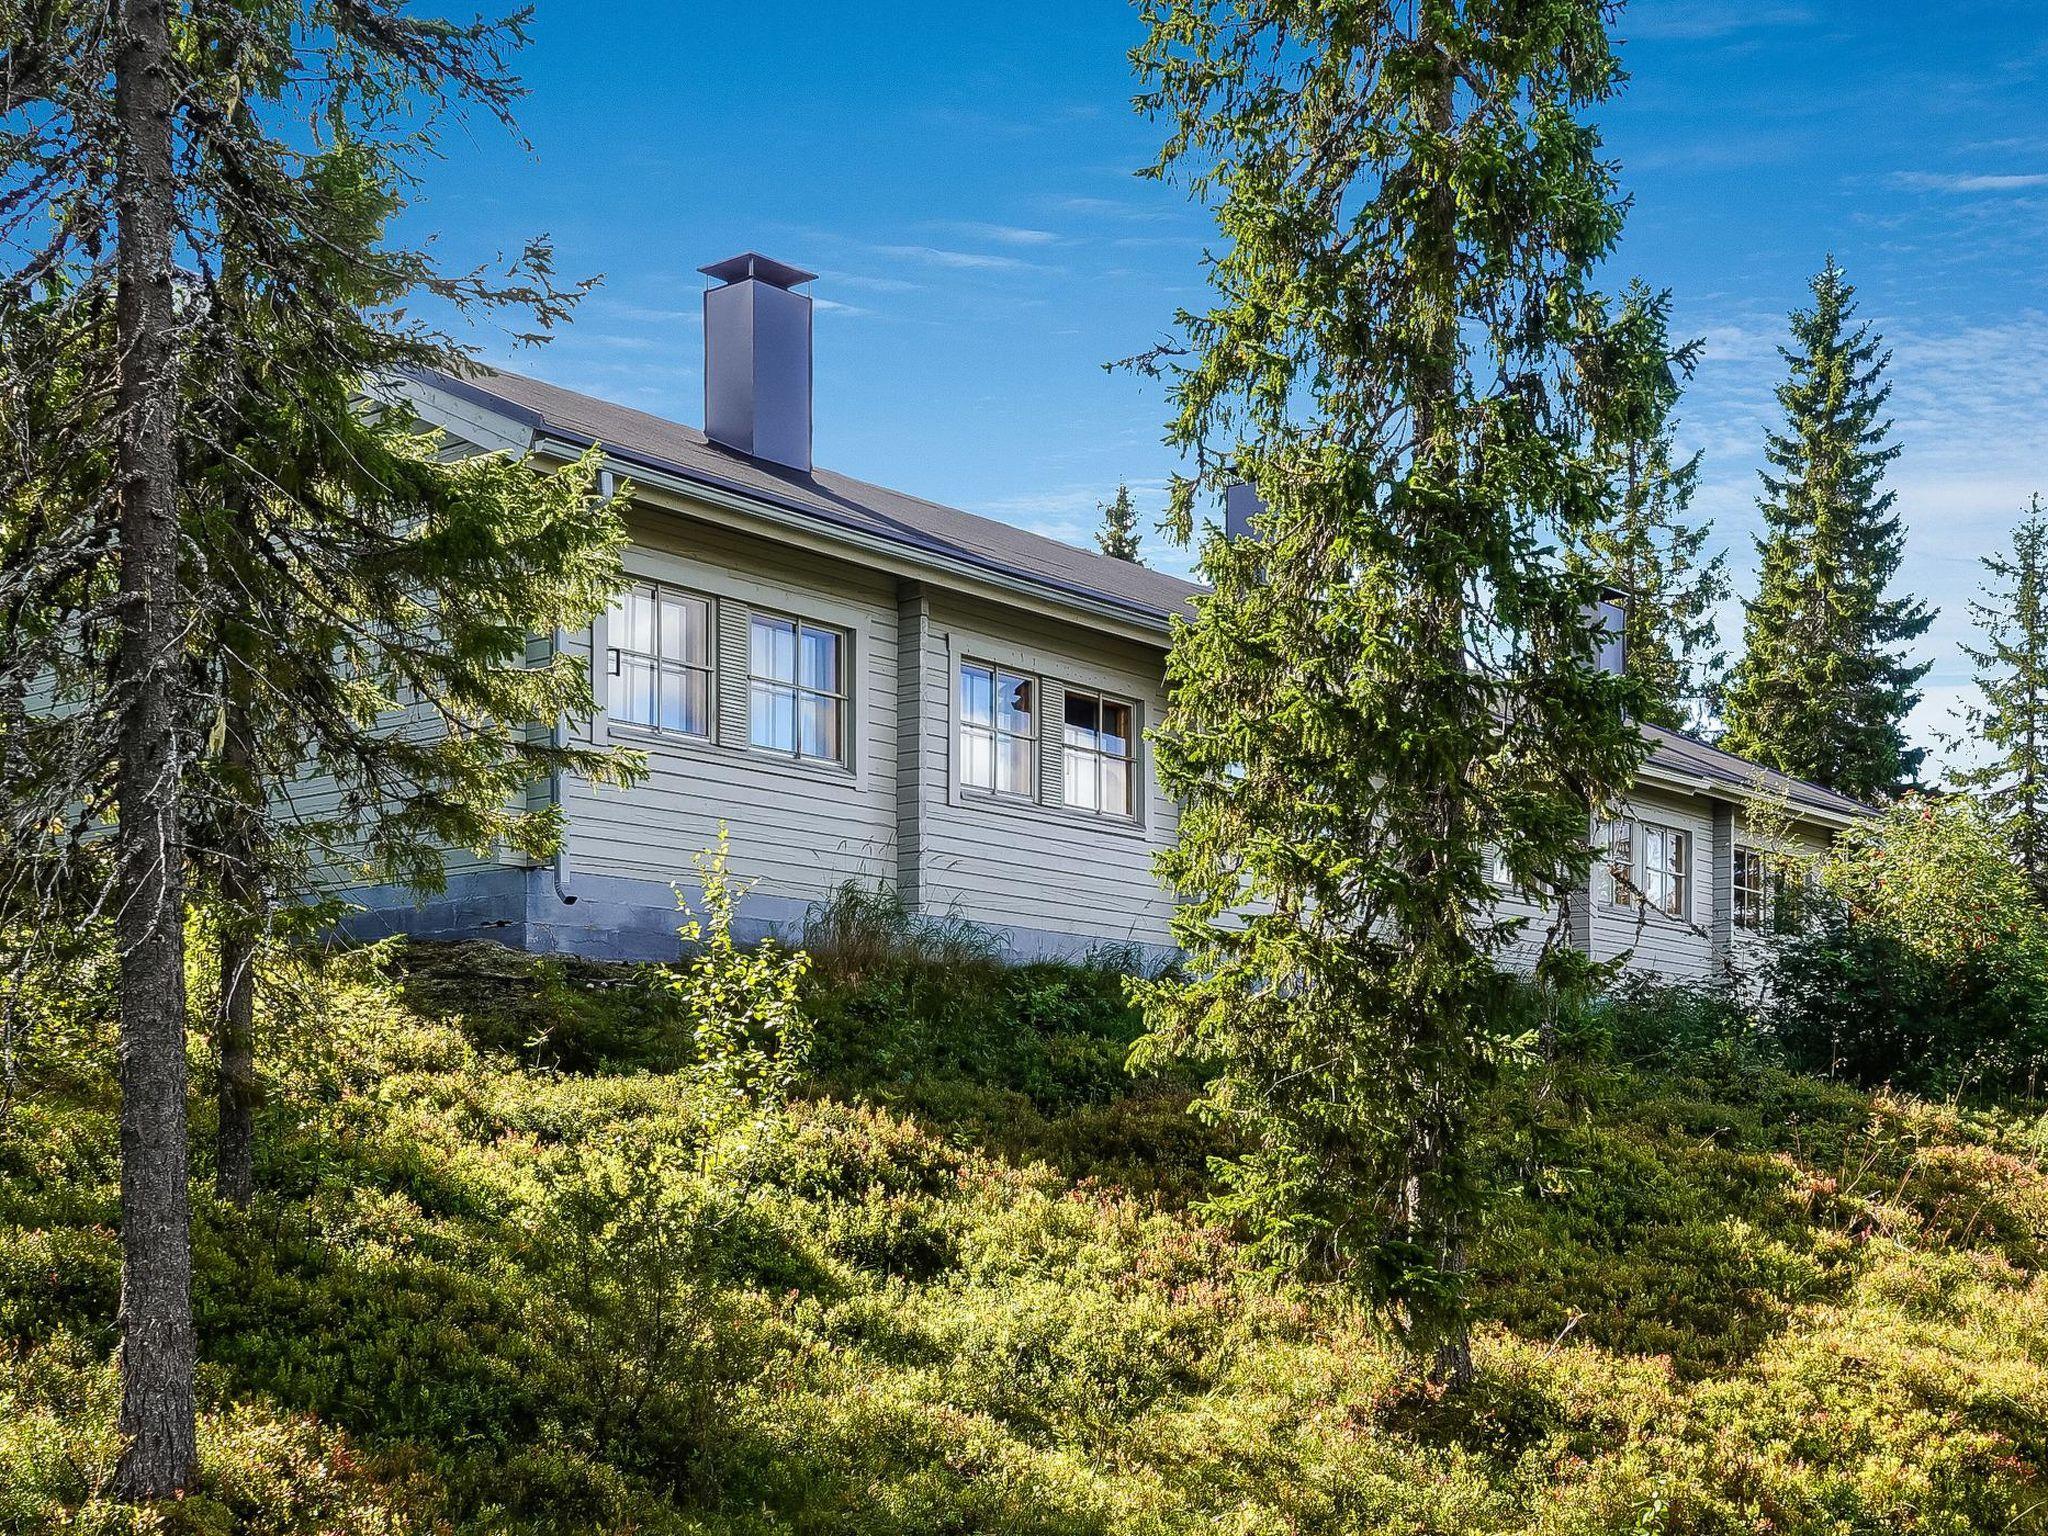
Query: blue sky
(960, 176)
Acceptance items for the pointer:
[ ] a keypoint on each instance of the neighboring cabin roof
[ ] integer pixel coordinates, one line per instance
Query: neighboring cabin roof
(1680, 754)
(926, 526)
(916, 524)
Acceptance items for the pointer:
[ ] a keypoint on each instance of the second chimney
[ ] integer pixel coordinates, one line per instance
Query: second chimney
(757, 359)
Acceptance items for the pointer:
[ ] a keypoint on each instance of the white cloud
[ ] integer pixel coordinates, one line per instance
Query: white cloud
(968, 261)
(1000, 234)
(1695, 20)
(1937, 181)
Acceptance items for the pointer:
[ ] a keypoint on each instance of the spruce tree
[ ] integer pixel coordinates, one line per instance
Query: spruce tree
(151, 153)
(1118, 535)
(1647, 548)
(1823, 687)
(1391, 677)
(2007, 731)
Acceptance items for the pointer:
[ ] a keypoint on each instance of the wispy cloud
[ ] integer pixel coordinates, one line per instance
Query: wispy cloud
(1971, 181)
(1000, 234)
(1113, 208)
(1693, 20)
(960, 261)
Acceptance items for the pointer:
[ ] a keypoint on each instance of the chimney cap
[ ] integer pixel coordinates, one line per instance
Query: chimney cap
(779, 274)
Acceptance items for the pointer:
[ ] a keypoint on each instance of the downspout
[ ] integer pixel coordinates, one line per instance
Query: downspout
(607, 487)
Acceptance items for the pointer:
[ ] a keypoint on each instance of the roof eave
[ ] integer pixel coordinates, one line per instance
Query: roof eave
(1134, 621)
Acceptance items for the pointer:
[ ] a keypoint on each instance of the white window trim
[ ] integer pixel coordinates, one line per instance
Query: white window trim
(996, 670)
(844, 697)
(605, 663)
(1133, 785)
(963, 649)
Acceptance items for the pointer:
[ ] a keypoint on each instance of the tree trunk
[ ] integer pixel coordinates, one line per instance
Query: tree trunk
(239, 1091)
(157, 1419)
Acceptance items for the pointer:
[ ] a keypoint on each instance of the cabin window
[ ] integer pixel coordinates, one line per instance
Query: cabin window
(1621, 863)
(660, 660)
(998, 730)
(1752, 890)
(796, 689)
(1096, 761)
(1667, 870)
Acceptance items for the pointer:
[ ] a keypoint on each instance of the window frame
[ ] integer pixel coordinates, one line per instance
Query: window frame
(995, 733)
(1621, 872)
(1100, 758)
(797, 690)
(617, 654)
(1762, 905)
(1673, 877)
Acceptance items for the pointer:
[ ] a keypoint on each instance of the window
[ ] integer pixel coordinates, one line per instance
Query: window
(1621, 863)
(1497, 868)
(659, 645)
(1095, 764)
(998, 735)
(796, 701)
(1667, 871)
(1752, 890)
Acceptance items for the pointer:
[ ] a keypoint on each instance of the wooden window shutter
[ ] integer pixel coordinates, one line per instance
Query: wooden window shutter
(1052, 734)
(735, 662)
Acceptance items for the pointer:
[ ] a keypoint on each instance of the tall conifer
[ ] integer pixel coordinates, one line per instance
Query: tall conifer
(1823, 687)
(1648, 548)
(1390, 679)
(2008, 728)
(1118, 535)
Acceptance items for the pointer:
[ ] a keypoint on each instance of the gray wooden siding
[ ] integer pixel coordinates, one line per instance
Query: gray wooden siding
(798, 829)
(1034, 865)
(1680, 949)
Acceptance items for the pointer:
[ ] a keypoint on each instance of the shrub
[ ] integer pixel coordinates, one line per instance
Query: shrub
(1921, 960)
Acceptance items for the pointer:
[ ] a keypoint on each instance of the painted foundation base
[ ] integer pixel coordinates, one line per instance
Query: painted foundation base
(617, 919)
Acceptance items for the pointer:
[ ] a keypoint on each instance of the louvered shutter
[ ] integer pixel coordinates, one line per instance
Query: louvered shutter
(1052, 731)
(734, 664)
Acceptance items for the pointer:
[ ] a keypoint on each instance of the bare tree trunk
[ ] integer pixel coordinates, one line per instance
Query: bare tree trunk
(239, 1091)
(157, 1420)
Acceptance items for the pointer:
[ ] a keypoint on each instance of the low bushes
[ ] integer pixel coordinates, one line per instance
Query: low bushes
(1921, 959)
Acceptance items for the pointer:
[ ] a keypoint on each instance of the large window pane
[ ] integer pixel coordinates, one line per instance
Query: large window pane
(1084, 714)
(1116, 728)
(977, 758)
(1013, 697)
(820, 660)
(1080, 786)
(685, 622)
(774, 649)
(632, 692)
(977, 696)
(639, 625)
(1013, 765)
(772, 717)
(1116, 786)
(685, 700)
(818, 727)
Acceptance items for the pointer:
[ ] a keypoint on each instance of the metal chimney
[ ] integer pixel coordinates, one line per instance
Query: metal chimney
(757, 359)
(1608, 615)
(1241, 503)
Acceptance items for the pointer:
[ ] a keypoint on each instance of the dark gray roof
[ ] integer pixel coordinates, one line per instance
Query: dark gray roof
(926, 526)
(1676, 752)
(918, 525)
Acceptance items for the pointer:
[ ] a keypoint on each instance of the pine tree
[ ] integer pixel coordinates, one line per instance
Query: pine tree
(1390, 678)
(1118, 536)
(1647, 549)
(2008, 730)
(1823, 686)
(152, 152)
